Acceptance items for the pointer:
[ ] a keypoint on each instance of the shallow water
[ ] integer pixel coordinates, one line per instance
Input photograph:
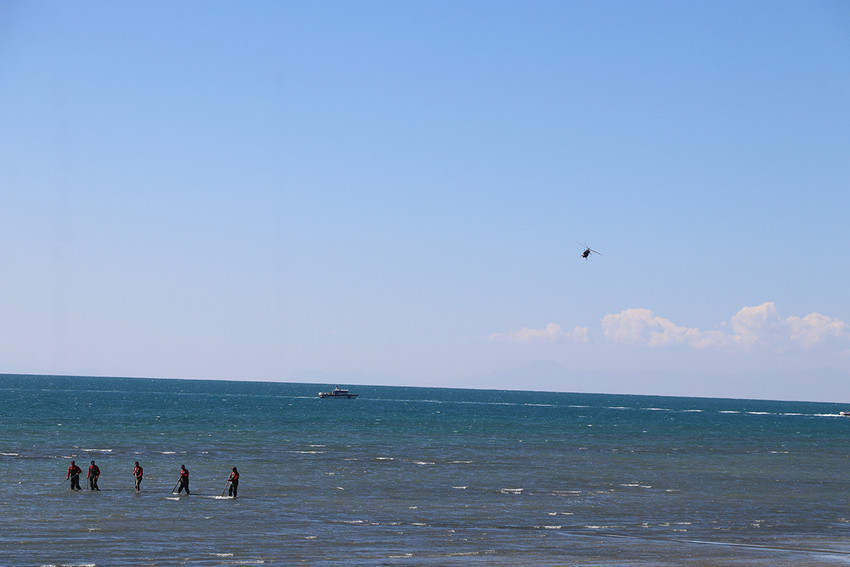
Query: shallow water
(413, 476)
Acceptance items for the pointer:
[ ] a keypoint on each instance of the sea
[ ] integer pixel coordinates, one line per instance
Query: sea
(416, 476)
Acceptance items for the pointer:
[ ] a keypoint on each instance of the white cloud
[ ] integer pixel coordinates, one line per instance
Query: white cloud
(550, 333)
(641, 326)
(815, 328)
(758, 328)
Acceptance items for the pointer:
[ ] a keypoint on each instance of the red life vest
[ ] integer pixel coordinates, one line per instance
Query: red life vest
(234, 476)
(184, 473)
(138, 472)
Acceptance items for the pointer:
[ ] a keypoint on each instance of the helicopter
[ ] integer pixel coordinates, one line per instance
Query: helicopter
(588, 251)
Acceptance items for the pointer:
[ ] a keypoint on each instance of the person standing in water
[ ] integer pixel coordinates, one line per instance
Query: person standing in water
(94, 473)
(137, 474)
(184, 480)
(234, 483)
(74, 474)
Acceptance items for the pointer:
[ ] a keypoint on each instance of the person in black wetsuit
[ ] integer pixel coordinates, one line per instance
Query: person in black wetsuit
(94, 473)
(184, 480)
(74, 474)
(137, 474)
(234, 483)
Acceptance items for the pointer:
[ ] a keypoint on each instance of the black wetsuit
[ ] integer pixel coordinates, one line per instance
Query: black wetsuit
(138, 473)
(234, 484)
(74, 474)
(94, 472)
(184, 481)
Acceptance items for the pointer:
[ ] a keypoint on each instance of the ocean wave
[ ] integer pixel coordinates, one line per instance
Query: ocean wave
(512, 490)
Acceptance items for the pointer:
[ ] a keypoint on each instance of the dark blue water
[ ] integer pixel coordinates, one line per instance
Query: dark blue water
(416, 476)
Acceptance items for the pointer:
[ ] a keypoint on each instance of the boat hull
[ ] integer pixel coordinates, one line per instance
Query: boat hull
(338, 393)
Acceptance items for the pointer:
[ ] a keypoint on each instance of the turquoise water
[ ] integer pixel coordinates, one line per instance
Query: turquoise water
(416, 476)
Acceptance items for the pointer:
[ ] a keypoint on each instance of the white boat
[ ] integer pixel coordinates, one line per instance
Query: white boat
(337, 393)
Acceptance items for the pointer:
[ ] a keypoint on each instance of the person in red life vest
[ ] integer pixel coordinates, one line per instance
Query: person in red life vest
(138, 472)
(74, 474)
(234, 483)
(94, 473)
(184, 480)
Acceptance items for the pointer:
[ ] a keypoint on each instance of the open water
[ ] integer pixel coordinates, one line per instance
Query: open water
(416, 476)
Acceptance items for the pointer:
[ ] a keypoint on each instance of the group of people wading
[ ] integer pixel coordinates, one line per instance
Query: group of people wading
(74, 473)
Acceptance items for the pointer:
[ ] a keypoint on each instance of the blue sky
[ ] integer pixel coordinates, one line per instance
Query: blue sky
(393, 192)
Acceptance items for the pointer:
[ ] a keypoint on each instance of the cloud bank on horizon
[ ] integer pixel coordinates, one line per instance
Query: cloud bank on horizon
(759, 328)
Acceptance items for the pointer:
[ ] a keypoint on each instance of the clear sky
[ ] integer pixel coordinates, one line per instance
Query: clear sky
(373, 192)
